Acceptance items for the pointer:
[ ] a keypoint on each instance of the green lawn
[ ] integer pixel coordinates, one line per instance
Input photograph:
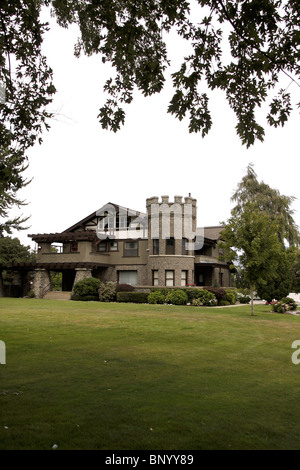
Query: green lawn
(88, 375)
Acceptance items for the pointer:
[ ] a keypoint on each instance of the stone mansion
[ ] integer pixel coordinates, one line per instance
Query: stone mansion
(162, 247)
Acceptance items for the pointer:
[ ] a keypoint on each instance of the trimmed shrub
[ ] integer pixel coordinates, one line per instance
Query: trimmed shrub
(162, 290)
(86, 298)
(134, 297)
(192, 293)
(107, 292)
(87, 287)
(124, 288)
(156, 297)
(206, 298)
(244, 299)
(223, 303)
(230, 297)
(219, 292)
(177, 297)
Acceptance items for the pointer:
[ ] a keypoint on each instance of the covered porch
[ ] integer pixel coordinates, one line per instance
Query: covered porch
(212, 274)
(23, 278)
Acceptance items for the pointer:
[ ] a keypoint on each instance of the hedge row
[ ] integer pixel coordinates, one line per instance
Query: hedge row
(96, 290)
(135, 297)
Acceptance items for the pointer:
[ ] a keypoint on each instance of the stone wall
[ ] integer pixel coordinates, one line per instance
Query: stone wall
(174, 263)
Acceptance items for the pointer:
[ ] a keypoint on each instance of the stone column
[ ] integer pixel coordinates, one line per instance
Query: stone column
(82, 273)
(41, 283)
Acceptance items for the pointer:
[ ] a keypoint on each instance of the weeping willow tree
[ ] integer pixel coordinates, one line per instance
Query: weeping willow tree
(271, 202)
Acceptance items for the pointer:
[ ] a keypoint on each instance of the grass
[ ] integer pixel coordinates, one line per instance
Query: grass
(89, 375)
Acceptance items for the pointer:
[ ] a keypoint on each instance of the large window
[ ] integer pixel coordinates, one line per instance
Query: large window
(184, 278)
(128, 277)
(169, 278)
(170, 246)
(131, 248)
(105, 245)
(155, 277)
(156, 246)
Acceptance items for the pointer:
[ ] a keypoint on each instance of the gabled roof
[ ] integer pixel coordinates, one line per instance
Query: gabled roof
(79, 225)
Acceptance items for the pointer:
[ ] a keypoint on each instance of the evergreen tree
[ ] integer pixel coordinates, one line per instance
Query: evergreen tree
(11, 250)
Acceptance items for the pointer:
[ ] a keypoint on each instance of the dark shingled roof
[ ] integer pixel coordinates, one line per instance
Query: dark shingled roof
(213, 233)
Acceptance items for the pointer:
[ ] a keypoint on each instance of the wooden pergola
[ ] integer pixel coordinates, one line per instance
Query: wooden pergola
(53, 266)
(84, 235)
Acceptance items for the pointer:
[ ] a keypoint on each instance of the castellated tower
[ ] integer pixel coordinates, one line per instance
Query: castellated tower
(171, 233)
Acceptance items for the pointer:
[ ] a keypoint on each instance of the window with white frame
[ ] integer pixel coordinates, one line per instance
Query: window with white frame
(184, 278)
(169, 278)
(155, 277)
(122, 222)
(107, 222)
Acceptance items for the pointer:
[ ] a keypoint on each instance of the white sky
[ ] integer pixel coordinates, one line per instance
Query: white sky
(80, 167)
